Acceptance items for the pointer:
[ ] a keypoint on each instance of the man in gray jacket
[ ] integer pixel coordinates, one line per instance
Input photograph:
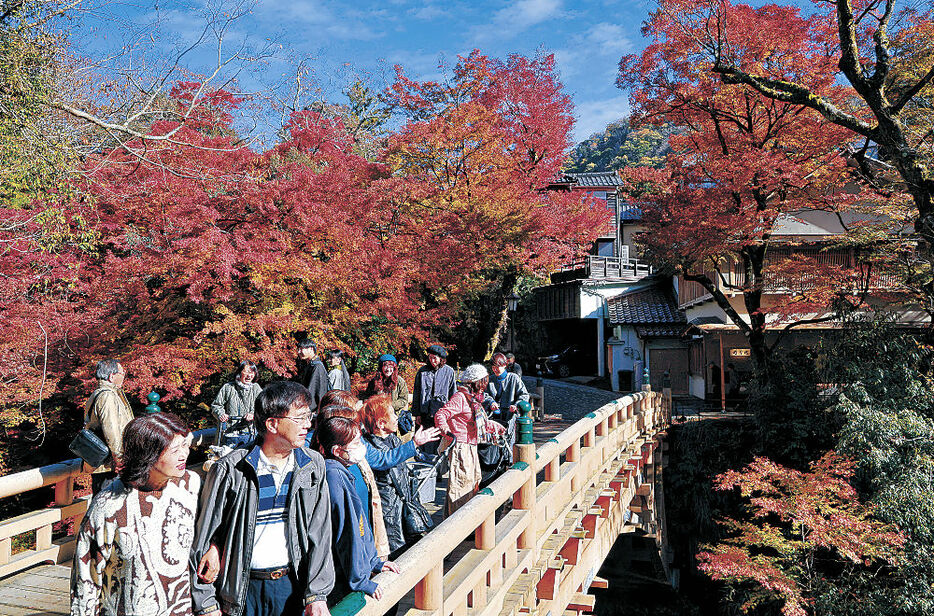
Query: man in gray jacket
(267, 511)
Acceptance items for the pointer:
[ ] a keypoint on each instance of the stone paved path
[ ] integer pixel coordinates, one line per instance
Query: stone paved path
(570, 400)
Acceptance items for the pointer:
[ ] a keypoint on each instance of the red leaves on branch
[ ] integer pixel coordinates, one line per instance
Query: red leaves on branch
(797, 521)
(740, 160)
(206, 251)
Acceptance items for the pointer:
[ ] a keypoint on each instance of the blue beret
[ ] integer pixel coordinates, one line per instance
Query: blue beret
(387, 357)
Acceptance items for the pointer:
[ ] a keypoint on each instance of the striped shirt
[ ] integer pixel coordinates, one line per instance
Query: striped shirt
(270, 546)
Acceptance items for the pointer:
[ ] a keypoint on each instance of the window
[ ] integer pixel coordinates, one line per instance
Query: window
(604, 248)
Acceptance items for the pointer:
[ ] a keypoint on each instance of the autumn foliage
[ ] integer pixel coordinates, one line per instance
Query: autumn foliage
(806, 534)
(204, 250)
(740, 161)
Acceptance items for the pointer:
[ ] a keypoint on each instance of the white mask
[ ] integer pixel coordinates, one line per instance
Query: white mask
(356, 454)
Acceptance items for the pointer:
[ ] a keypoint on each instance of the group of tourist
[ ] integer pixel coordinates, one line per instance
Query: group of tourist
(314, 497)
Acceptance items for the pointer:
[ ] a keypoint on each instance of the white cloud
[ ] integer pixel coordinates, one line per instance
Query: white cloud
(593, 116)
(527, 13)
(418, 64)
(608, 39)
(320, 20)
(428, 12)
(517, 18)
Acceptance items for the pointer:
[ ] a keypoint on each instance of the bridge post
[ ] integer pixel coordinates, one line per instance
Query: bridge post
(429, 592)
(153, 398)
(525, 454)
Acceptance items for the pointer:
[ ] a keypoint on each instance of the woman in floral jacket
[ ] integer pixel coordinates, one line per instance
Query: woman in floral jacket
(134, 544)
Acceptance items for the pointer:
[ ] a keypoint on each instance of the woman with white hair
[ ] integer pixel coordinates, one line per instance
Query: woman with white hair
(464, 419)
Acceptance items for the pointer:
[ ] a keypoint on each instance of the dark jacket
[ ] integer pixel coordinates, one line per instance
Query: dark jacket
(313, 375)
(354, 548)
(433, 388)
(227, 516)
(386, 482)
(516, 368)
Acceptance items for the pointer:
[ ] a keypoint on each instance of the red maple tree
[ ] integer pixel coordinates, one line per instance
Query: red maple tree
(740, 161)
(205, 250)
(806, 532)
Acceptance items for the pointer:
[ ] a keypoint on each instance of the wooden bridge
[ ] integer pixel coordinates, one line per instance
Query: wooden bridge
(532, 542)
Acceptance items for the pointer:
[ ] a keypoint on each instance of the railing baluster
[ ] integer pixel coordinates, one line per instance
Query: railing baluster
(553, 469)
(574, 456)
(44, 537)
(485, 535)
(64, 491)
(429, 592)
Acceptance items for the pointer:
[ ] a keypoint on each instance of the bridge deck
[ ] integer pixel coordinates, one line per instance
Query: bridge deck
(40, 591)
(44, 589)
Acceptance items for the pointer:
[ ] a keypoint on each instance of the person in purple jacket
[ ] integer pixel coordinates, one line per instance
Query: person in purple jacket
(353, 545)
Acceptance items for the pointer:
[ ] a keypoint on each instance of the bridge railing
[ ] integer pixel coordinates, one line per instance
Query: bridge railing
(570, 477)
(484, 580)
(41, 521)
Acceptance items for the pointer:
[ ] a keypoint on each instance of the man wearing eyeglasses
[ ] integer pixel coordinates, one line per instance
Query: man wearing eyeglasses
(266, 510)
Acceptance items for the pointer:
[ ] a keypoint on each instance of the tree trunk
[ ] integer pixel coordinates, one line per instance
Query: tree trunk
(510, 279)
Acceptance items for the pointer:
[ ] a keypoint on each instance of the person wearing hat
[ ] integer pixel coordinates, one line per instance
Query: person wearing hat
(464, 419)
(388, 381)
(434, 386)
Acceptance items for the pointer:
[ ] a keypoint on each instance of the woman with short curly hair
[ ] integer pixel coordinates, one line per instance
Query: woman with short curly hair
(134, 544)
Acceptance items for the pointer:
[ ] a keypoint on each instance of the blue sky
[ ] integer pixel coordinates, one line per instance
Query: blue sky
(340, 40)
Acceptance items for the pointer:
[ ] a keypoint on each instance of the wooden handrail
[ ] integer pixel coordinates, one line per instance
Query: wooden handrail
(62, 475)
(508, 549)
(567, 498)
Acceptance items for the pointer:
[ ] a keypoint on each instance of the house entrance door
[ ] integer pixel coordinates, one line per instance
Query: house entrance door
(675, 361)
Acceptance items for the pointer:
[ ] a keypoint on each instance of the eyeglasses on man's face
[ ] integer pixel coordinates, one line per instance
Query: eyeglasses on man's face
(300, 419)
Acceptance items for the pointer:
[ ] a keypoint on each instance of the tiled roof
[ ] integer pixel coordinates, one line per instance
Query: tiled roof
(594, 179)
(661, 331)
(644, 307)
(708, 320)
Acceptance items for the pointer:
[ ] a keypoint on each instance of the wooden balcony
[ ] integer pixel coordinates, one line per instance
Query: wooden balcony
(610, 268)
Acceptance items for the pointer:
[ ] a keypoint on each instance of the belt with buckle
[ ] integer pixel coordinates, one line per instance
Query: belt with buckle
(269, 574)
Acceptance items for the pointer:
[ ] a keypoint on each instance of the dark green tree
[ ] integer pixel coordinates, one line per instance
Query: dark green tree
(619, 146)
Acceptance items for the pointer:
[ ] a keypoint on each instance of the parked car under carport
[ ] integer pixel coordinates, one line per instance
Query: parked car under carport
(562, 364)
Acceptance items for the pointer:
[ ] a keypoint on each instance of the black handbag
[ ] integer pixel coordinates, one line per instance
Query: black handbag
(90, 448)
(416, 521)
(492, 456)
